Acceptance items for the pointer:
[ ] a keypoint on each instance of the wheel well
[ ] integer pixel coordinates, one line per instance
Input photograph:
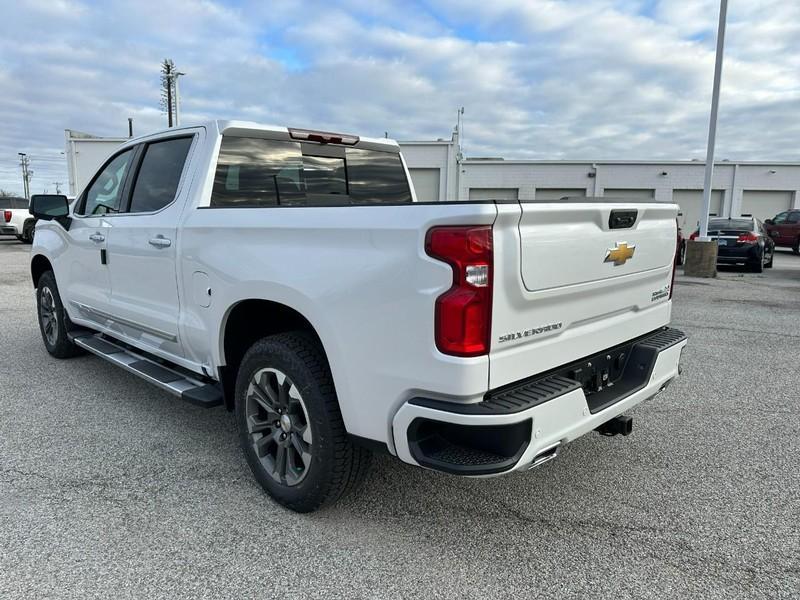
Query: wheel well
(39, 266)
(249, 321)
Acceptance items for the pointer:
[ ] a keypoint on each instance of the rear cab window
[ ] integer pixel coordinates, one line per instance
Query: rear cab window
(13, 202)
(257, 172)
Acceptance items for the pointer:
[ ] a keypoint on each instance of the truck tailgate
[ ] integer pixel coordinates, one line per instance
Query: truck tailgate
(567, 244)
(574, 278)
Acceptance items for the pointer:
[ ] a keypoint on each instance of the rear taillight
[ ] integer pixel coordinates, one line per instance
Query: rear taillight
(463, 314)
(694, 235)
(747, 238)
(7, 215)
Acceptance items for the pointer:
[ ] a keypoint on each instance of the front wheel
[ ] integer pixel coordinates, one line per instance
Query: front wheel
(290, 426)
(53, 320)
(796, 247)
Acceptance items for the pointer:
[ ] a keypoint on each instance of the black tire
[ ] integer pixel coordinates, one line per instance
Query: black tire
(796, 247)
(768, 265)
(334, 465)
(681, 256)
(758, 266)
(54, 324)
(28, 230)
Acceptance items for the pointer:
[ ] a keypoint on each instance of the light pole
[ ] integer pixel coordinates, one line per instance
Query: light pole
(175, 77)
(701, 255)
(712, 122)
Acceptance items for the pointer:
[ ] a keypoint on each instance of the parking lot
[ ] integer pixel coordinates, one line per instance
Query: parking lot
(109, 487)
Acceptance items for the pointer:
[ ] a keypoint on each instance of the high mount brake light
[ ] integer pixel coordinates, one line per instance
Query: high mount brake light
(463, 314)
(323, 137)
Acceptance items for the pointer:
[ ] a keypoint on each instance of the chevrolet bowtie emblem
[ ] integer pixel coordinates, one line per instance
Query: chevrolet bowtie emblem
(620, 254)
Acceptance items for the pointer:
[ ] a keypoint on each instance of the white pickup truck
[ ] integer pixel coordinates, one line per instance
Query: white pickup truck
(16, 220)
(294, 277)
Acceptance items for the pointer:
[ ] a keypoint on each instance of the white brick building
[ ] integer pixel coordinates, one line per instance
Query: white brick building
(749, 187)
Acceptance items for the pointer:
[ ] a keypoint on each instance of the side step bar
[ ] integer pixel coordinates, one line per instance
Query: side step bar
(185, 387)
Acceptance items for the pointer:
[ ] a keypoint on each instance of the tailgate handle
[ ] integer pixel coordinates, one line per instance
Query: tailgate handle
(622, 219)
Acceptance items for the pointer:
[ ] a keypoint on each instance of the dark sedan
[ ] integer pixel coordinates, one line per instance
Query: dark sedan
(741, 241)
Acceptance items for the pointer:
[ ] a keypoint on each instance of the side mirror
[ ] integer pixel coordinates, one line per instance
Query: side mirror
(769, 222)
(47, 207)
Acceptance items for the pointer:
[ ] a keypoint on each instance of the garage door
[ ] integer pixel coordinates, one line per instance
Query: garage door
(493, 193)
(765, 205)
(629, 193)
(544, 194)
(426, 184)
(691, 203)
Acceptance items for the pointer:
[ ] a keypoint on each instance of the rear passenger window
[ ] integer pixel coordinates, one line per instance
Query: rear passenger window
(159, 174)
(254, 172)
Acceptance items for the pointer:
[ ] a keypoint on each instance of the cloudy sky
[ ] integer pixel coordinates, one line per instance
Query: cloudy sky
(538, 78)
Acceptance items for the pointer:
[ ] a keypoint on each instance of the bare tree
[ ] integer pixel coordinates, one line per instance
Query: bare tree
(6, 194)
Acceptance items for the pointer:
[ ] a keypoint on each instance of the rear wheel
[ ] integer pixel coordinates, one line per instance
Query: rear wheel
(290, 426)
(53, 320)
(27, 232)
(768, 264)
(681, 254)
(758, 265)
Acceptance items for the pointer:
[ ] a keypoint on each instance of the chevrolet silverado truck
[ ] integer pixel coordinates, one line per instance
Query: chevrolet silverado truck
(294, 277)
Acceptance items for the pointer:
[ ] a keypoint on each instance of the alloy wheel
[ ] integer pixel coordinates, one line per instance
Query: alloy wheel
(48, 315)
(278, 426)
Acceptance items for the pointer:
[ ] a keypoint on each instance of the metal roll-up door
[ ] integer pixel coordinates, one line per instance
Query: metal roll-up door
(426, 184)
(493, 193)
(765, 204)
(691, 205)
(543, 194)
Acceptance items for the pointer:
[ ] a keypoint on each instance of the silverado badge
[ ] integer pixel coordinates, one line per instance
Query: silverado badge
(620, 254)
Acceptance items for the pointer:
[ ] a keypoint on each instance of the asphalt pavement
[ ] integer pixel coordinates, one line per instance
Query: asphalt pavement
(111, 488)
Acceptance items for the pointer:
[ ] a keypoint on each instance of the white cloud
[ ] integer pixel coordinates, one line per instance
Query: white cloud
(538, 78)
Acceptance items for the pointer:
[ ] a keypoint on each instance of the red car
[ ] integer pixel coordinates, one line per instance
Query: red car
(784, 229)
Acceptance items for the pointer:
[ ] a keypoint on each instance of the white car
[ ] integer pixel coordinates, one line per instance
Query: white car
(292, 276)
(16, 220)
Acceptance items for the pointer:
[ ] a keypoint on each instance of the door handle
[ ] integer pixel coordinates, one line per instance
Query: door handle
(97, 237)
(160, 242)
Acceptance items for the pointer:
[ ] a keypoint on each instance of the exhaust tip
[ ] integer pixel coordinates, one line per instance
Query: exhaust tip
(621, 425)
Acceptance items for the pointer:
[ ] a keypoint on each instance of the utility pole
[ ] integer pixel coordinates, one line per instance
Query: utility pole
(58, 186)
(25, 163)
